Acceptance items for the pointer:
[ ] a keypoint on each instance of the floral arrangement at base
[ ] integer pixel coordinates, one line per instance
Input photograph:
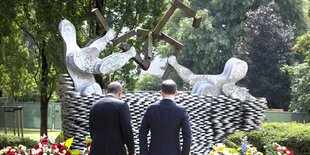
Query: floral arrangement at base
(11, 150)
(222, 149)
(277, 149)
(244, 149)
(46, 147)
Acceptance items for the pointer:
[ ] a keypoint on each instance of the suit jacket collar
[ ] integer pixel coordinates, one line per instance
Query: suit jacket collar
(167, 102)
(110, 95)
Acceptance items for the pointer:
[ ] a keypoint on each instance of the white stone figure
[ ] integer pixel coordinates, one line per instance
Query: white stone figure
(82, 63)
(224, 83)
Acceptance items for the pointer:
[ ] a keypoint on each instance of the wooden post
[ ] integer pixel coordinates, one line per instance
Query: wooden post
(18, 120)
(22, 121)
(5, 117)
(14, 120)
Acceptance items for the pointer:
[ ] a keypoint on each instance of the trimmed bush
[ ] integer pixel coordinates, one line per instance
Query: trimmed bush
(295, 136)
(10, 140)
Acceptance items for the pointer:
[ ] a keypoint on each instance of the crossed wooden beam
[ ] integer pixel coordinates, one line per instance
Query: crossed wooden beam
(149, 35)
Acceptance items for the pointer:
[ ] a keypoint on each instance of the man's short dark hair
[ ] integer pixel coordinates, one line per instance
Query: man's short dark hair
(169, 87)
(114, 87)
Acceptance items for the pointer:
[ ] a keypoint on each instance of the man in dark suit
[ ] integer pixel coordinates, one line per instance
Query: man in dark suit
(165, 119)
(110, 124)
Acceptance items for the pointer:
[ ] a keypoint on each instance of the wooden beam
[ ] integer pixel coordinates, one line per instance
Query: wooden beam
(124, 37)
(144, 64)
(169, 68)
(148, 47)
(102, 23)
(183, 7)
(164, 20)
(172, 41)
(196, 22)
(143, 32)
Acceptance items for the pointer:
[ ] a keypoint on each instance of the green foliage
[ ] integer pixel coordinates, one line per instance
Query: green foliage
(149, 82)
(210, 46)
(266, 49)
(29, 34)
(10, 140)
(129, 14)
(294, 136)
(300, 76)
(16, 79)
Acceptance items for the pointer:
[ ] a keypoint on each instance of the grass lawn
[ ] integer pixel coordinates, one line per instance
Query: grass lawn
(33, 133)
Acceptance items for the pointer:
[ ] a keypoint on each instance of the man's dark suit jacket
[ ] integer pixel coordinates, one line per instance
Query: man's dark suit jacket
(110, 127)
(165, 119)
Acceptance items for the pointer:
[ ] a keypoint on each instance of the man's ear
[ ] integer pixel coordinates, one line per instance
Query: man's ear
(119, 94)
(176, 93)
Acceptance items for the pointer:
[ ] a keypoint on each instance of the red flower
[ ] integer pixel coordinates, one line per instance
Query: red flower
(54, 146)
(11, 153)
(44, 140)
(62, 149)
(291, 152)
(68, 153)
(40, 153)
(36, 146)
(88, 144)
(59, 145)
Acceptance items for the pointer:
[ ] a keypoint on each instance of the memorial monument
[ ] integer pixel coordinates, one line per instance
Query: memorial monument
(216, 105)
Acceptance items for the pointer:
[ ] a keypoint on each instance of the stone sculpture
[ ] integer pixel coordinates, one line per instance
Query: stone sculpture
(215, 85)
(82, 63)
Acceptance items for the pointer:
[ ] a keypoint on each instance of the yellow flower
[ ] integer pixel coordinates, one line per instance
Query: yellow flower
(214, 153)
(219, 147)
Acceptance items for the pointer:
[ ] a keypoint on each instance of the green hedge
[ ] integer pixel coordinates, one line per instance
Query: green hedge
(294, 136)
(10, 140)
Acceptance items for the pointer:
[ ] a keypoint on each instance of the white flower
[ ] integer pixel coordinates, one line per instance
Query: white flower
(56, 150)
(22, 147)
(225, 152)
(220, 145)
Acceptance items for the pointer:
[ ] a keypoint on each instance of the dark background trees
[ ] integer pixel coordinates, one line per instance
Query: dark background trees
(266, 48)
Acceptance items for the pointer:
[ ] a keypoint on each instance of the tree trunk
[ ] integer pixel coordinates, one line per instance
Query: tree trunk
(43, 93)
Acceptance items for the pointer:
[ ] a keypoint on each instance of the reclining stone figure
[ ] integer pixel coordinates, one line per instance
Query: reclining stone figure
(224, 83)
(82, 63)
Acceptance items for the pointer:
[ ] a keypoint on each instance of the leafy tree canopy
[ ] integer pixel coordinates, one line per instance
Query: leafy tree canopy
(149, 82)
(210, 46)
(266, 49)
(300, 76)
